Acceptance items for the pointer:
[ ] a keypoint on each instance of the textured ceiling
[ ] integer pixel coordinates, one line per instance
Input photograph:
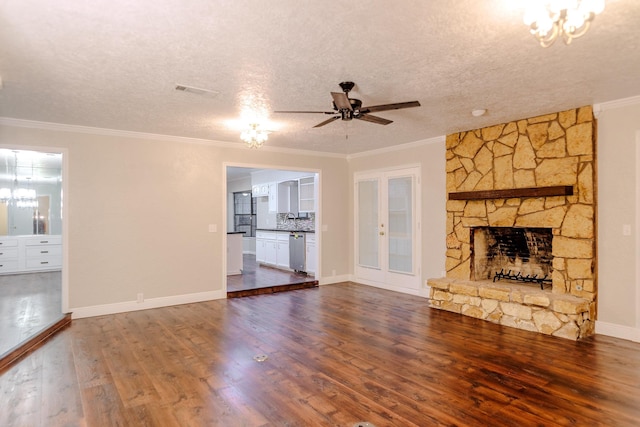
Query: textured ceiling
(115, 63)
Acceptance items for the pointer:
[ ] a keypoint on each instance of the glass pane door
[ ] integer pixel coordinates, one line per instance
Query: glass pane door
(387, 229)
(400, 229)
(368, 219)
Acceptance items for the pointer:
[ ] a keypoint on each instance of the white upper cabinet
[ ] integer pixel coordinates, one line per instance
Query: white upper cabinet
(273, 197)
(260, 190)
(307, 194)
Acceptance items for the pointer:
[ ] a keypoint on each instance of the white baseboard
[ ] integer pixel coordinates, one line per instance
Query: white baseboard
(409, 291)
(333, 279)
(126, 306)
(618, 331)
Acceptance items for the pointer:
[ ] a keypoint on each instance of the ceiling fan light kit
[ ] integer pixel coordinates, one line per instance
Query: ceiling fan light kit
(345, 108)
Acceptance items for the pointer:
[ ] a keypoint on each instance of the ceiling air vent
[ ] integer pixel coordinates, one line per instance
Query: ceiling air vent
(196, 90)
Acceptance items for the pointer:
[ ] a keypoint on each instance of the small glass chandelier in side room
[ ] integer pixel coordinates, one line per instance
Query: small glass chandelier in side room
(551, 19)
(254, 137)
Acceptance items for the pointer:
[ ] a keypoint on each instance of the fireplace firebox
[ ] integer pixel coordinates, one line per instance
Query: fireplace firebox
(515, 254)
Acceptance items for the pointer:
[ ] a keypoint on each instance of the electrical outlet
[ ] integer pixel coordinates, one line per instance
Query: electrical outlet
(140, 298)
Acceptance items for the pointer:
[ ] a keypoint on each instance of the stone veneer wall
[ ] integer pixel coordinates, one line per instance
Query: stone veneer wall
(550, 150)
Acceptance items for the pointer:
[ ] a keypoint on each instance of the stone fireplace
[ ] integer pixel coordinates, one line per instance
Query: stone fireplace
(517, 254)
(521, 203)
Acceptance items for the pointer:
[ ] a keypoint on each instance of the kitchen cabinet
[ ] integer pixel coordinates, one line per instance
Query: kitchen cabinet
(282, 250)
(310, 247)
(307, 194)
(272, 247)
(266, 247)
(261, 247)
(260, 190)
(271, 252)
(273, 197)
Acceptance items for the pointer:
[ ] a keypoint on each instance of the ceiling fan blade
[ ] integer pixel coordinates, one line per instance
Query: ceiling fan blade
(341, 100)
(395, 106)
(306, 112)
(326, 122)
(373, 119)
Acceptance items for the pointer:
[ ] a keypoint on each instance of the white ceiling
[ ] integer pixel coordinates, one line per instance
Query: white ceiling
(115, 63)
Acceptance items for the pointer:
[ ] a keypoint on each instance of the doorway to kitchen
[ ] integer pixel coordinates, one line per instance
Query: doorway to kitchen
(271, 222)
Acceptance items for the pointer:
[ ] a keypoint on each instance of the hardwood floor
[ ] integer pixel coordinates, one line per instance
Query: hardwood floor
(257, 279)
(29, 303)
(336, 355)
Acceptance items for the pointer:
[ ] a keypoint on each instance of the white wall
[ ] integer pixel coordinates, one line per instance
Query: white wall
(139, 209)
(430, 156)
(618, 299)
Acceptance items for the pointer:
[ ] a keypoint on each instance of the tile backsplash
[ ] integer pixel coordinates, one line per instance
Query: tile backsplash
(303, 224)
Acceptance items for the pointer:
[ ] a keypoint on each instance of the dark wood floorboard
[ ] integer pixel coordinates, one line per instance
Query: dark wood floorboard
(29, 303)
(335, 355)
(257, 279)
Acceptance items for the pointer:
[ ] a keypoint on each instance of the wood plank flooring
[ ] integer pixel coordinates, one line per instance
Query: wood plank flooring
(336, 355)
(258, 279)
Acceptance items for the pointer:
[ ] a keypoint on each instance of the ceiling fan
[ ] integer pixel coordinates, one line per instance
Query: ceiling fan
(346, 108)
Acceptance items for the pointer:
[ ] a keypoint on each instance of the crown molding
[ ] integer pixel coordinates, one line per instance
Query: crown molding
(616, 103)
(420, 143)
(61, 127)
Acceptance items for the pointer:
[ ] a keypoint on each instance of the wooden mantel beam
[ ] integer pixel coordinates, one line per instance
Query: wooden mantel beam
(510, 193)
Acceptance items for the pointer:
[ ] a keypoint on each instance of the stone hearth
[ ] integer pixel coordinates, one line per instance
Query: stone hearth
(485, 166)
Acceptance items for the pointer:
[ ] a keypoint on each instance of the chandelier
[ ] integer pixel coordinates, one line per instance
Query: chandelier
(569, 19)
(22, 197)
(254, 136)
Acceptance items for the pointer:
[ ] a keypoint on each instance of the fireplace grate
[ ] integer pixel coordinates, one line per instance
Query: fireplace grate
(518, 277)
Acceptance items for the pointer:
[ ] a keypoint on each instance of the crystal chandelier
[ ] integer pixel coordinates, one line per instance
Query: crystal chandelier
(254, 136)
(569, 19)
(22, 197)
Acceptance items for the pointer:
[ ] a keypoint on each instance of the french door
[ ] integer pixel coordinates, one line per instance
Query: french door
(387, 229)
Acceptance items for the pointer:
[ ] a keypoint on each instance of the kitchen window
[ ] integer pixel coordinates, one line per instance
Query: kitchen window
(244, 213)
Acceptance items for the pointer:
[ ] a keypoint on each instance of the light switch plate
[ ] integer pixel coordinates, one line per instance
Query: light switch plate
(213, 228)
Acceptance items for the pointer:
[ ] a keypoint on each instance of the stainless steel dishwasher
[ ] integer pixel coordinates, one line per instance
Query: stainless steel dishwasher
(297, 252)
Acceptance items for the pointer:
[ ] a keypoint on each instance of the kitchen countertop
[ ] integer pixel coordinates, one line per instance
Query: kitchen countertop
(285, 231)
